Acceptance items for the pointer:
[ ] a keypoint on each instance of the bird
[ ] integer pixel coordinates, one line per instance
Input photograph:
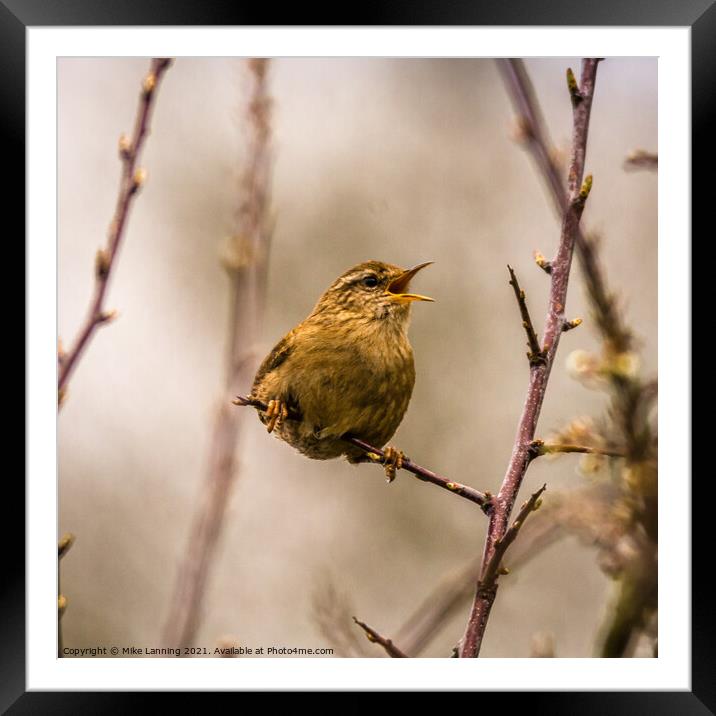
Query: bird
(346, 370)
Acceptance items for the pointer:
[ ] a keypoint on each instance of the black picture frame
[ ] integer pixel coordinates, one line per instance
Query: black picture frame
(699, 15)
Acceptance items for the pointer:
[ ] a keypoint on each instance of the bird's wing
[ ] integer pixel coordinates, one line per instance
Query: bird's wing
(275, 358)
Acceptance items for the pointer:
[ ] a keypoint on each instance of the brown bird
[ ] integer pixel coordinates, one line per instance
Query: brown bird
(347, 369)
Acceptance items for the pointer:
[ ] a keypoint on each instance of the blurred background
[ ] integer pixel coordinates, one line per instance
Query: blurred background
(398, 160)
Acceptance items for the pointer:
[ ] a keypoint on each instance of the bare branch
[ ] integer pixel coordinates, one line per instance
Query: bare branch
(497, 532)
(132, 179)
(631, 396)
(376, 455)
(376, 638)
(542, 149)
(245, 258)
(535, 355)
(539, 448)
(494, 565)
(585, 513)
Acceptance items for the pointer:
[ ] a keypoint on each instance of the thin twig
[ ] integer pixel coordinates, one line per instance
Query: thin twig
(630, 394)
(534, 129)
(535, 354)
(245, 260)
(487, 583)
(540, 448)
(376, 638)
(131, 181)
(494, 565)
(583, 513)
(377, 455)
(540, 145)
(539, 374)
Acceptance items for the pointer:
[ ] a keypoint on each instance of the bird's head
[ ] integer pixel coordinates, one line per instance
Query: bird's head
(372, 290)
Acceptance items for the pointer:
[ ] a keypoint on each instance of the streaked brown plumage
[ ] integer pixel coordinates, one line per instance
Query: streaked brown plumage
(347, 369)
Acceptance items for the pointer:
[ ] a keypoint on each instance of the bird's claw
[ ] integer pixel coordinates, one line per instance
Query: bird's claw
(276, 412)
(392, 462)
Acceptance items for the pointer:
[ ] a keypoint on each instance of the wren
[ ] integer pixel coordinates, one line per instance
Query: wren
(346, 370)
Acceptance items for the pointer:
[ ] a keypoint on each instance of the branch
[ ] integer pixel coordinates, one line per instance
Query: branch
(584, 513)
(376, 455)
(535, 355)
(539, 374)
(539, 448)
(538, 142)
(628, 392)
(245, 258)
(131, 181)
(376, 638)
(494, 566)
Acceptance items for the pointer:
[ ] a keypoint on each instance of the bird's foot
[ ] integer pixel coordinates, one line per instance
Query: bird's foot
(276, 412)
(392, 462)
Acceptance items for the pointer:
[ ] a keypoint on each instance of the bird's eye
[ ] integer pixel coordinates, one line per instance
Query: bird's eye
(370, 281)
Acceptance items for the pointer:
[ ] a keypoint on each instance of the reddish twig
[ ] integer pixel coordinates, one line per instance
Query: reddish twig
(539, 448)
(376, 638)
(503, 503)
(535, 354)
(584, 513)
(494, 567)
(131, 180)
(469, 493)
(245, 259)
(458, 588)
(538, 142)
(630, 396)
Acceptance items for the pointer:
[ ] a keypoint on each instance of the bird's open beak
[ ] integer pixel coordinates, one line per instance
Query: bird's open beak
(398, 287)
